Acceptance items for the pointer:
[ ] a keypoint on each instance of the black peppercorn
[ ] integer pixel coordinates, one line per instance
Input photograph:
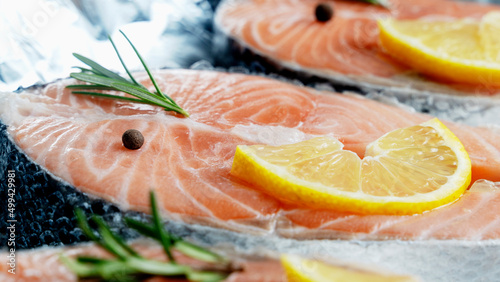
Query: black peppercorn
(324, 12)
(132, 139)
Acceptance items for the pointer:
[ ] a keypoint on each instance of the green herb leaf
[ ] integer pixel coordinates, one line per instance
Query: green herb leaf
(88, 86)
(129, 265)
(122, 62)
(164, 238)
(197, 252)
(143, 228)
(110, 96)
(113, 242)
(144, 95)
(115, 270)
(98, 68)
(86, 70)
(102, 78)
(80, 269)
(157, 267)
(154, 99)
(85, 259)
(81, 219)
(146, 68)
(205, 276)
(189, 249)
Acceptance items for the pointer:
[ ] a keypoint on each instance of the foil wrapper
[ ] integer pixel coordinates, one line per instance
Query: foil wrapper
(38, 37)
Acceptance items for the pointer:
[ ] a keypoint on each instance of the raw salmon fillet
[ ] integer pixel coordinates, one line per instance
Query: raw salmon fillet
(187, 160)
(345, 49)
(43, 264)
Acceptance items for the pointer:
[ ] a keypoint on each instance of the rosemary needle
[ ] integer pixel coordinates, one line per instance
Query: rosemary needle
(128, 265)
(163, 236)
(101, 78)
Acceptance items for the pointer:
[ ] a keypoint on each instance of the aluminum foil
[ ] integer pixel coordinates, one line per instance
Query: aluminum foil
(38, 37)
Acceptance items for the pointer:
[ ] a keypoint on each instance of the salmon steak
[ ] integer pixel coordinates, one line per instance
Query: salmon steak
(33, 264)
(187, 161)
(345, 49)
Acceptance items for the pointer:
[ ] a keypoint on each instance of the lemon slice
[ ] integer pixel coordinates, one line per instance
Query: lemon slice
(464, 51)
(305, 270)
(406, 171)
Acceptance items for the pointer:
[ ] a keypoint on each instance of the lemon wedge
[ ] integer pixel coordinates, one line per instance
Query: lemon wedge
(305, 270)
(464, 51)
(406, 171)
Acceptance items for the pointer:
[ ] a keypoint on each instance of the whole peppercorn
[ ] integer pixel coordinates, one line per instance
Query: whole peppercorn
(132, 139)
(324, 12)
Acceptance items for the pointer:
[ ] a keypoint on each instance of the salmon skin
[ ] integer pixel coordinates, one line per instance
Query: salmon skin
(187, 160)
(346, 49)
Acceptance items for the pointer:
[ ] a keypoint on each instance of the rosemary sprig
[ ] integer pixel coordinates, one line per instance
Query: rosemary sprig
(100, 78)
(163, 236)
(128, 265)
(155, 231)
(184, 247)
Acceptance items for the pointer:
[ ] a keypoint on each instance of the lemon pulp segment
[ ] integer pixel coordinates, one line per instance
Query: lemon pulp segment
(463, 51)
(406, 171)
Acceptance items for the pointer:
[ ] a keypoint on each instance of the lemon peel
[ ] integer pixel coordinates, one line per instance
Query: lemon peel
(406, 171)
(463, 51)
(299, 269)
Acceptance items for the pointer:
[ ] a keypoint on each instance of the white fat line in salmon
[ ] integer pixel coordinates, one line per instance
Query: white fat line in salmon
(11, 221)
